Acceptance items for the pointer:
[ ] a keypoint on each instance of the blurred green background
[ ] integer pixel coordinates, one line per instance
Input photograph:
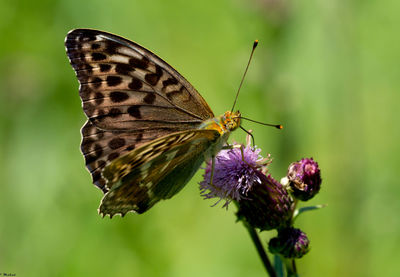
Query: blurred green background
(328, 70)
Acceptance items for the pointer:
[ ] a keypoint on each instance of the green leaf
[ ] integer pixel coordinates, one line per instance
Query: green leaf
(297, 212)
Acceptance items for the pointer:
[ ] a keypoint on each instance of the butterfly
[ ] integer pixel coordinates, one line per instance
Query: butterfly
(148, 130)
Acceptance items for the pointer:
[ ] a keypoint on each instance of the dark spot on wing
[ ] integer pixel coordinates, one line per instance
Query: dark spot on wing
(149, 98)
(135, 84)
(123, 68)
(98, 56)
(114, 112)
(114, 80)
(134, 111)
(116, 143)
(118, 96)
(139, 63)
(105, 67)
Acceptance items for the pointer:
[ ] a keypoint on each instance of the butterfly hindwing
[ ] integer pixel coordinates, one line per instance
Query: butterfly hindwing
(156, 171)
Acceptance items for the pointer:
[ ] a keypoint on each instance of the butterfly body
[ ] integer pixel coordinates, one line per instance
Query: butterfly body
(148, 129)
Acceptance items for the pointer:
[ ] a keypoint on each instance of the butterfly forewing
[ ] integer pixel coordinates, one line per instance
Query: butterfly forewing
(125, 87)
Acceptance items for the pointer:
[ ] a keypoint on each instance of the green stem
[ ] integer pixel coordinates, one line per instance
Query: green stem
(291, 269)
(260, 249)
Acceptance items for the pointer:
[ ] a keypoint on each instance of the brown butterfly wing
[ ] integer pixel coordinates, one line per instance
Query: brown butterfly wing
(100, 147)
(129, 95)
(123, 86)
(157, 170)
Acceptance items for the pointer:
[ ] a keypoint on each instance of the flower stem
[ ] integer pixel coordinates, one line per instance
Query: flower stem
(291, 267)
(260, 249)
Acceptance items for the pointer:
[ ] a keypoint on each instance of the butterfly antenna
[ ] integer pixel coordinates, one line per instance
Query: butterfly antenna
(244, 75)
(277, 126)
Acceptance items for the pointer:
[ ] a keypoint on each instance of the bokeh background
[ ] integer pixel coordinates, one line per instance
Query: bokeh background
(328, 70)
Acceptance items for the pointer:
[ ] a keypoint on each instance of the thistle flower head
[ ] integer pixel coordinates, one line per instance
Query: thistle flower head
(304, 179)
(234, 174)
(290, 243)
(239, 175)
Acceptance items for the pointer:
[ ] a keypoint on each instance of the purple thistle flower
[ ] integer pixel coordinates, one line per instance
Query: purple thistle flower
(304, 179)
(263, 202)
(234, 175)
(290, 243)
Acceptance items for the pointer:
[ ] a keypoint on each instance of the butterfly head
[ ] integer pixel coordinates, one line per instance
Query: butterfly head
(231, 120)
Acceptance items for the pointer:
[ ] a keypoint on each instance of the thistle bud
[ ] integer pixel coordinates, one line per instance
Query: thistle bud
(304, 179)
(290, 243)
(268, 205)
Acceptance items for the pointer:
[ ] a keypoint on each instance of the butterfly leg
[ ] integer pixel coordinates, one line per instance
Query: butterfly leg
(212, 170)
(242, 152)
(249, 135)
(232, 147)
(229, 147)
